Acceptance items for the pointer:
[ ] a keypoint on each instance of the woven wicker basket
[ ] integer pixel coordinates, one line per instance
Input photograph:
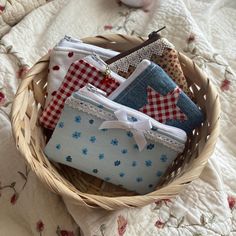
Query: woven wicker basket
(83, 189)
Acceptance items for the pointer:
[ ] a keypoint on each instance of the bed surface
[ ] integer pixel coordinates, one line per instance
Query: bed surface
(205, 30)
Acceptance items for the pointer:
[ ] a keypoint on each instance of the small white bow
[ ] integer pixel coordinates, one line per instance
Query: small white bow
(137, 128)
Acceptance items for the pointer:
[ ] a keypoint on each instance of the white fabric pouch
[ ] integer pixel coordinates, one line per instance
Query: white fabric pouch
(64, 54)
(113, 142)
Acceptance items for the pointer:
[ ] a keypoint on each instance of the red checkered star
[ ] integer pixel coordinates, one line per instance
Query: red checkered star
(163, 108)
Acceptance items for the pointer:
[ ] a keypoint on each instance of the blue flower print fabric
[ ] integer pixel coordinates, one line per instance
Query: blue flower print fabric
(109, 154)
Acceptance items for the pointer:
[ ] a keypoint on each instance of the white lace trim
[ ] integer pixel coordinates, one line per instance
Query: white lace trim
(146, 52)
(90, 109)
(106, 115)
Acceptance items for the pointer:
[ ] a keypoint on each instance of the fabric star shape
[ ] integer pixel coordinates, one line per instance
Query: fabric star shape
(163, 108)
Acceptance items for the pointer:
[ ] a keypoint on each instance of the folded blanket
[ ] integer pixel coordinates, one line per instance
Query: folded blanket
(14, 11)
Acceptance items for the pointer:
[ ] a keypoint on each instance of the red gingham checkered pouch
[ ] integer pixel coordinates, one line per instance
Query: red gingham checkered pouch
(79, 74)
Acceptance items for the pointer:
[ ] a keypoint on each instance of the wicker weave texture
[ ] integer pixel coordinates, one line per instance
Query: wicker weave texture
(83, 189)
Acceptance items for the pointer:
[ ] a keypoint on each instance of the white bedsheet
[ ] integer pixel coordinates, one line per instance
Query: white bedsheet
(206, 30)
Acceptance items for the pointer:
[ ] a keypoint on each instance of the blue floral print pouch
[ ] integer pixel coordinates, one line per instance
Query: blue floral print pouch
(113, 142)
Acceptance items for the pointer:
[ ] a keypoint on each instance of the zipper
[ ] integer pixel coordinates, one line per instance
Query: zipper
(152, 37)
(71, 39)
(139, 69)
(92, 93)
(70, 43)
(93, 89)
(109, 75)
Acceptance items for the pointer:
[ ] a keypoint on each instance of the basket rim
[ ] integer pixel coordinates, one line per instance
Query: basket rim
(121, 201)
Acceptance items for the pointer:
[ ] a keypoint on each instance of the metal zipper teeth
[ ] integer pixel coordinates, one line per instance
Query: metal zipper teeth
(64, 43)
(78, 47)
(101, 65)
(128, 81)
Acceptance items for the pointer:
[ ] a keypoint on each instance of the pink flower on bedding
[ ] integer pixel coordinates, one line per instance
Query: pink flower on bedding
(225, 85)
(14, 198)
(2, 8)
(122, 224)
(2, 98)
(66, 233)
(22, 71)
(159, 224)
(63, 232)
(40, 226)
(231, 202)
(108, 27)
(165, 201)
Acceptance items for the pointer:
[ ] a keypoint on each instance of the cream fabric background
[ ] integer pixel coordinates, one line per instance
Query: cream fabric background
(213, 24)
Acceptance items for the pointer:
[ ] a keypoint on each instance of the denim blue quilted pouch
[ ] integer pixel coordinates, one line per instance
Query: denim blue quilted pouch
(150, 90)
(113, 142)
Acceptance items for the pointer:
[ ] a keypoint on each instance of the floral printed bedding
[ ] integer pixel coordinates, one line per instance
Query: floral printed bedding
(205, 31)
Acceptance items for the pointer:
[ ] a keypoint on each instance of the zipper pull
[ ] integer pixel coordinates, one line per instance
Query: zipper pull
(98, 59)
(107, 73)
(67, 38)
(93, 89)
(70, 39)
(107, 79)
(155, 34)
